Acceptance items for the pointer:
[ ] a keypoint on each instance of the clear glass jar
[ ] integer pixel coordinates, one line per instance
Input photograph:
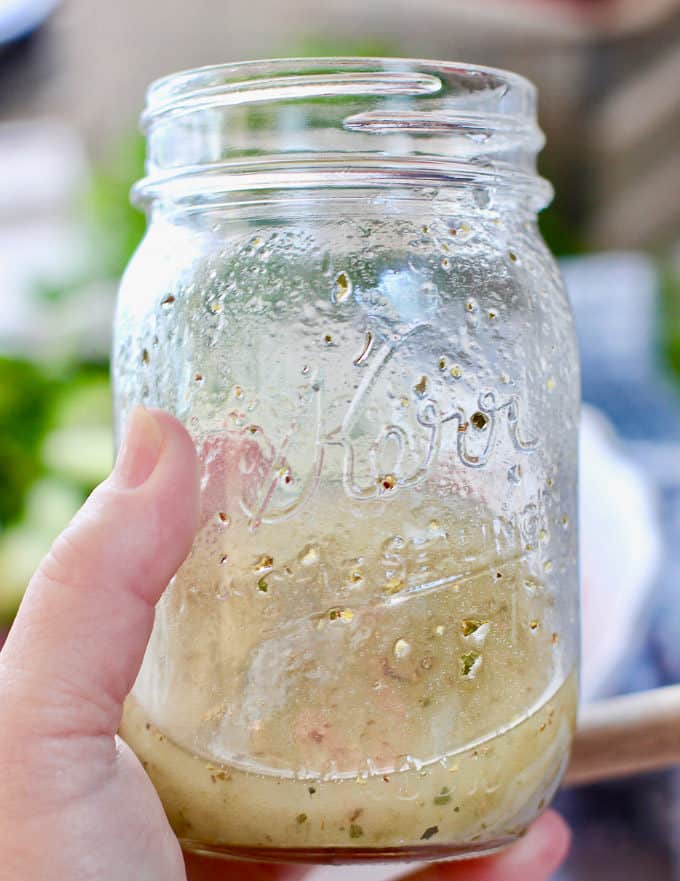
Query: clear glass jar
(343, 295)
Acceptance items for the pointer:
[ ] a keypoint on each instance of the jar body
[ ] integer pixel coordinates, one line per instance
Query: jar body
(371, 649)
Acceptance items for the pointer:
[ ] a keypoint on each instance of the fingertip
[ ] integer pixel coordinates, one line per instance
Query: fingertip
(535, 857)
(175, 481)
(550, 839)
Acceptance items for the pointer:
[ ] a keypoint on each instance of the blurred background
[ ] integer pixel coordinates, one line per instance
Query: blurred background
(72, 82)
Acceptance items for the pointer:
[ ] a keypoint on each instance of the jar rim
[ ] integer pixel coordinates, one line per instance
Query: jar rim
(170, 92)
(289, 123)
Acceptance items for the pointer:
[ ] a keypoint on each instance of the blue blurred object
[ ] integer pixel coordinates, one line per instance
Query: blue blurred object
(19, 18)
(631, 829)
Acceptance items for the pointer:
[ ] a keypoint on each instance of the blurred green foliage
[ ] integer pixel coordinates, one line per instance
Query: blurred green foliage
(55, 418)
(25, 398)
(670, 317)
(116, 226)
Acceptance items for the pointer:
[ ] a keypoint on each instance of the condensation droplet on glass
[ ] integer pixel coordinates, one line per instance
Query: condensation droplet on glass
(565, 521)
(456, 372)
(264, 564)
(550, 384)
(356, 576)
(401, 649)
(309, 555)
(446, 263)
(365, 352)
(548, 565)
(238, 391)
(285, 476)
(439, 630)
(387, 483)
(393, 585)
(471, 305)
(515, 474)
(479, 420)
(420, 387)
(343, 287)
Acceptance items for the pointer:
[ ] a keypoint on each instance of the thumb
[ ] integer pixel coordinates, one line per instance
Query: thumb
(79, 637)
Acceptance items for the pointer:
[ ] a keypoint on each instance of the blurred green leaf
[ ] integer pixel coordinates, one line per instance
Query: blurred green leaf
(117, 227)
(26, 394)
(670, 318)
(50, 504)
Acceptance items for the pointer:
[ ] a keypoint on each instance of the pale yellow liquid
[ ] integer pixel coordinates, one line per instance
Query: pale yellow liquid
(394, 687)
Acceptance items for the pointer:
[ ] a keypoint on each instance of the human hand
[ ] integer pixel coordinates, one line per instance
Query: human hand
(75, 803)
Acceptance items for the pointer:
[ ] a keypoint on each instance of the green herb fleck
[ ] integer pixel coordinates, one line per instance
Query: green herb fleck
(444, 796)
(479, 420)
(467, 662)
(471, 625)
(262, 585)
(301, 818)
(429, 832)
(355, 831)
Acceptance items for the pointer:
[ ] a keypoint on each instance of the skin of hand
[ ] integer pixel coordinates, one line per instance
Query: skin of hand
(75, 803)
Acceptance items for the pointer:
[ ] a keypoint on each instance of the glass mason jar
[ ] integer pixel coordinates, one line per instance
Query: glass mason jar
(343, 295)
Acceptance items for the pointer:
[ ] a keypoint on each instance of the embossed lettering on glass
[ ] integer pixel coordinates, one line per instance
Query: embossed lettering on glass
(342, 293)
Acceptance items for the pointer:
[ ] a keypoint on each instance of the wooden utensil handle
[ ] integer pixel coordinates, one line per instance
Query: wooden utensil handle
(626, 735)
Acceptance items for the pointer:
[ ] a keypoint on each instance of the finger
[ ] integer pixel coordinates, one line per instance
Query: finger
(533, 858)
(79, 637)
(209, 869)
